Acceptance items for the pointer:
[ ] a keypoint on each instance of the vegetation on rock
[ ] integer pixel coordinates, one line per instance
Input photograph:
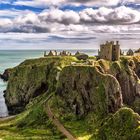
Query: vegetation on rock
(86, 96)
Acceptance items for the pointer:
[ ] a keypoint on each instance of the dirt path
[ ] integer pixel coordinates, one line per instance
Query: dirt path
(57, 123)
(7, 118)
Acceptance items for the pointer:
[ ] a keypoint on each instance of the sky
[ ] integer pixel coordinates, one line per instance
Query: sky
(68, 24)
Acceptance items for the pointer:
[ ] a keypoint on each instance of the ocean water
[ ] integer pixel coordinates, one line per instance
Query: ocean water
(9, 59)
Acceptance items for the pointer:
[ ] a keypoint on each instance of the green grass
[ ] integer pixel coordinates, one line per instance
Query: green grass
(31, 124)
(123, 125)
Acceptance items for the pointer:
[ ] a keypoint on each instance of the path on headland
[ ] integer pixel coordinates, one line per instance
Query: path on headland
(59, 125)
(9, 118)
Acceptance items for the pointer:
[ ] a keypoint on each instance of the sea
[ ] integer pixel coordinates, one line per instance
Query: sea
(11, 58)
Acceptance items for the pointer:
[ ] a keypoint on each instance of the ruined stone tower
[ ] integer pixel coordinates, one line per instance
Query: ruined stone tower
(110, 51)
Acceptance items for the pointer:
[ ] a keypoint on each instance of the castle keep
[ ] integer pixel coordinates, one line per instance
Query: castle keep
(110, 51)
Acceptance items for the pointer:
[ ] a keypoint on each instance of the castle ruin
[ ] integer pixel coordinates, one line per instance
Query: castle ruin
(110, 51)
(55, 53)
(130, 52)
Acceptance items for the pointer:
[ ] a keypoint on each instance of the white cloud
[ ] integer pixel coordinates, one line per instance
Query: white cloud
(30, 18)
(39, 3)
(77, 28)
(56, 15)
(5, 22)
(46, 3)
(120, 15)
(88, 20)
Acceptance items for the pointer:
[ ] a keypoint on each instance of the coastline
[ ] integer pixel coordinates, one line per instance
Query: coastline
(84, 93)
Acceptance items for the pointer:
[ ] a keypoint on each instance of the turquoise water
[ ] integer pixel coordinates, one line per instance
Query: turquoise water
(9, 59)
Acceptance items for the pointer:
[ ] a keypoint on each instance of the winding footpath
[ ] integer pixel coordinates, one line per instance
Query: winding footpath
(57, 123)
(9, 118)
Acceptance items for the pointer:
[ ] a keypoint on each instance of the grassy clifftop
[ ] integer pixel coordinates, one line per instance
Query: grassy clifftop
(86, 96)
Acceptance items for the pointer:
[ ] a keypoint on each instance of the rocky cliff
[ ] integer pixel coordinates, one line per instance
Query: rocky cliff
(86, 89)
(5, 76)
(31, 79)
(87, 96)
(126, 73)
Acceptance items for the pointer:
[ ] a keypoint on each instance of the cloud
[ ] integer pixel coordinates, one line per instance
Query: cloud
(30, 18)
(56, 26)
(29, 29)
(45, 3)
(56, 15)
(116, 16)
(49, 41)
(88, 20)
(120, 15)
(38, 3)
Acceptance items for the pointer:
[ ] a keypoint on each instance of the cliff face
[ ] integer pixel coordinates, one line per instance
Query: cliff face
(85, 89)
(5, 76)
(126, 72)
(136, 61)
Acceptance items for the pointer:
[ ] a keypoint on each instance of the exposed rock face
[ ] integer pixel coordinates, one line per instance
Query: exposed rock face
(25, 83)
(136, 61)
(125, 72)
(129, 83)
(85, 89)
(5, 76)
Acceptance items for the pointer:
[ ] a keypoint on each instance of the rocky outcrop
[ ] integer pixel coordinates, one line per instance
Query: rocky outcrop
(128, 80)
(31, 79)
(136, 61)
(126, 72)
(123, 125)
(5, 76)
(84, 89)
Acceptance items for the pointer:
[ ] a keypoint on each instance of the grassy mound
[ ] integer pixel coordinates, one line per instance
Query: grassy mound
(123, 125)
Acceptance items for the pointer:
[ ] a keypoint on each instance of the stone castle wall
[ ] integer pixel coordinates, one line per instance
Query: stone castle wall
(106, 51)
(110, 51)
(115, 52)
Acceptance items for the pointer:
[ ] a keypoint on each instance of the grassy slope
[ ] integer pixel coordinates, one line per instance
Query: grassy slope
(33, 123)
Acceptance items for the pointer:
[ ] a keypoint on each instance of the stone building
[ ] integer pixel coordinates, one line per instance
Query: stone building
(51, 53)
(130, 52)
(77, 53)
(110, 51)
(55, 53)
(65, 53)
(137, 52)
(121, 52)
